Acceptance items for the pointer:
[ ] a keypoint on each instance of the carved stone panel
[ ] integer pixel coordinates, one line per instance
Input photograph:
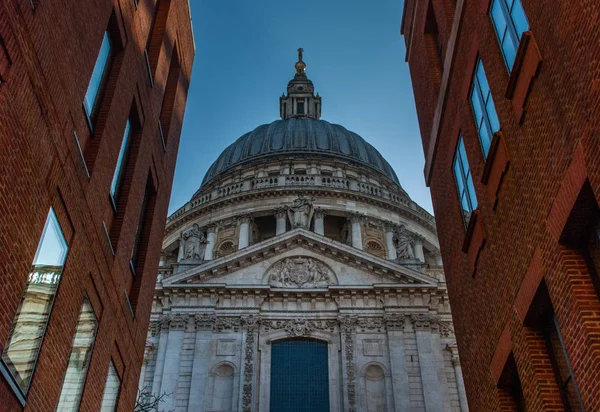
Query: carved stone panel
(300, 272)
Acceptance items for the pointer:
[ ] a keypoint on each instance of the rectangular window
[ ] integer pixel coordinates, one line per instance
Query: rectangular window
(464, 182)
(110, 398)
(168, 103)
(117, 180)
(562, 366)
(79, 360)
(156, 37)
(142, 236)
(99, 75)
(510, 22)
(29, 326)
(300, 106)
(484, 110)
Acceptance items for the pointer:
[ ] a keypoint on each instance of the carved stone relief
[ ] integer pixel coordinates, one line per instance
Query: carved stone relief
(299, 326)
(300, 272)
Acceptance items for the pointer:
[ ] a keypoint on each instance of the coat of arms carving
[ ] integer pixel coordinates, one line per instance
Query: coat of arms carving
(300, 272)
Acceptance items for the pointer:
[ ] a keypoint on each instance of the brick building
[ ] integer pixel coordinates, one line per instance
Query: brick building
(92, 96)
(507, 95)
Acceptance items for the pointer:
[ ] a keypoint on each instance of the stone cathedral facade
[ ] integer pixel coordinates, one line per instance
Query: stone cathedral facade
(302, 277)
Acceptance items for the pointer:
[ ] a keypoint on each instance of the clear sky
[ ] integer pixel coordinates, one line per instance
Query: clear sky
(246, 51)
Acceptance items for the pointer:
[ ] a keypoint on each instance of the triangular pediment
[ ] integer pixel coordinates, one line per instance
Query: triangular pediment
(248, 266)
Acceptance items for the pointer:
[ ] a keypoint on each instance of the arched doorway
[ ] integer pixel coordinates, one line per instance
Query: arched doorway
(299, 376)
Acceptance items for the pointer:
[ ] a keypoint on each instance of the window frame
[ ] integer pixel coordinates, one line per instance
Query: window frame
(477, 92)
(510, 30)
(466, 177)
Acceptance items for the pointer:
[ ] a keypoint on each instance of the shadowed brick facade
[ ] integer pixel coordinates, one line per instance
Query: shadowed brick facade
(522, 272)
(54, 156)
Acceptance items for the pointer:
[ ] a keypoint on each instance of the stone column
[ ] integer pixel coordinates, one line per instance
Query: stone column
(435, 387)
(438, 258)
(419, 254)
(201, 362)
(181, 247)
(244, 222)
(460, 383)
(319, 221)
(389, 241)
(210, 242)
(400, 383)
(250, 326)
(163, 325)
(356, 220)
(281, 216)
(348, 337)
(170, 374)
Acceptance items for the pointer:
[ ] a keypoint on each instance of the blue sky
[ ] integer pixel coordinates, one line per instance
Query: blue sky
(246, 51)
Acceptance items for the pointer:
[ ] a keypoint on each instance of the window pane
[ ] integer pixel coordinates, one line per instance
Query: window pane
(498, 18)
(459, 178)
(485, 137)
(519, 18)
(477, 108)
(482, 79)
(509, 50)
(118, 176)
(471, 191)
(492, 115)
(28, 329)
(111, 390)
(97, 74)
(79, 359)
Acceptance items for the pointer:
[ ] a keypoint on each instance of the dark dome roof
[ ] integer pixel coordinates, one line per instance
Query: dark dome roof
(299, 136)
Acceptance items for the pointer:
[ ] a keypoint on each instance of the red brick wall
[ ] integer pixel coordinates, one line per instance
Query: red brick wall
(50, 53)
(553, 148)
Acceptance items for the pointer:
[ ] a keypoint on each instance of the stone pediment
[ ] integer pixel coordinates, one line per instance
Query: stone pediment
(311, 272)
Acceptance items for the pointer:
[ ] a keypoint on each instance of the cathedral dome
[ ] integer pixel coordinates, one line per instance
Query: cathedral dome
(299, 137)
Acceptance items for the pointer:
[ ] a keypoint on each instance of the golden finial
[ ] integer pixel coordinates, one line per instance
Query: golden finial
(300, 66)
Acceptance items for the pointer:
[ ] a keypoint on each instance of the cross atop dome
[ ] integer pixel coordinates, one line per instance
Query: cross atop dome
(300, 101)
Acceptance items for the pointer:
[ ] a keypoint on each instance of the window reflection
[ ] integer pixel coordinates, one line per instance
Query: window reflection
(79, 360)
(29, 326)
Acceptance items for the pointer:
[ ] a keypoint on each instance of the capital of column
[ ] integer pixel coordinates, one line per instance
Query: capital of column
(356, 217)
(394, 321)
(423, 321)
(320, 213)
(418, 238)
(243, 218)
(390, 227)
(280, 212)
(211, 228)
(204, 321)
